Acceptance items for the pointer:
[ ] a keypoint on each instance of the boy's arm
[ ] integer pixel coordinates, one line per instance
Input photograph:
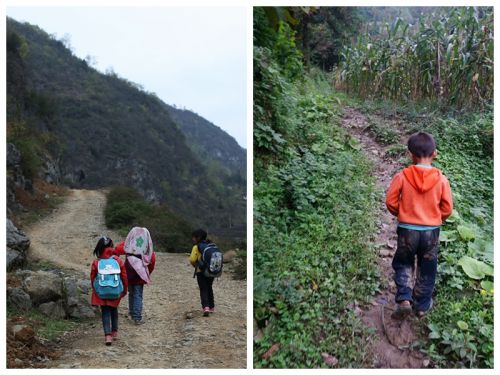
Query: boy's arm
(193, 258)
(446, 204)
(393, 193)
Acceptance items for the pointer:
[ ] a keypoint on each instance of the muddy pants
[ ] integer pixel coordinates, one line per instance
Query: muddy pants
(424, 245)
(206, 291)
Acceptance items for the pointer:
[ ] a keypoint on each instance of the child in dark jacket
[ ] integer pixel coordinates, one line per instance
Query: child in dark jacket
(139, 264)
(109, 307)
(199, 240)
(420, 197)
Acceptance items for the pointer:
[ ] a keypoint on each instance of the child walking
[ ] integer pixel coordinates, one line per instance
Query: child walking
(420, 196)
(109, 285)
(139, 264)
(201, 243)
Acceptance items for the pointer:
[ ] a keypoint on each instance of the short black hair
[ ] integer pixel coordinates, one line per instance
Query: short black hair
(199, 234)
(103, 243)
(421, 144)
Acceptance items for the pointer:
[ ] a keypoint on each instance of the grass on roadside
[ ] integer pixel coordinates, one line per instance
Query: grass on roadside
(45, 327)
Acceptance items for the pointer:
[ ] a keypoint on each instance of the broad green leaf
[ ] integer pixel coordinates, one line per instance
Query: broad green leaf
(466, 233)
(434, 335)
(453, 217)
(487, 285)
(474, 268)
(462, 325)
(447, 236)
(482, 248)
(354, 143)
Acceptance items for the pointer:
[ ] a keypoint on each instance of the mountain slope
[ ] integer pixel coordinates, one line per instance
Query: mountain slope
(102, 130)
(208, 141)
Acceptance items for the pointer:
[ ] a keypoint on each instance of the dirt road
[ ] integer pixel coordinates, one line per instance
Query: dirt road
(392, 348)
(175, 334)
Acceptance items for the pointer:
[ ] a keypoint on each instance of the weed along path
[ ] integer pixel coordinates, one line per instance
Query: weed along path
(393, 339)
(175, 334)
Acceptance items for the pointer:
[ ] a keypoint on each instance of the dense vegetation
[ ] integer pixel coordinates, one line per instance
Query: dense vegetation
(125, 208)
(99, 130)
(313, 214)
(313, 190)
(446, 56)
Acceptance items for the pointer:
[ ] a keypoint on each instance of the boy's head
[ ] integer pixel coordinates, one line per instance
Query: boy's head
(198, 235)
(422, 146)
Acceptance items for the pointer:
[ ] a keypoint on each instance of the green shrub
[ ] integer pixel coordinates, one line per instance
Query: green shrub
(313, 218)
(125, 208)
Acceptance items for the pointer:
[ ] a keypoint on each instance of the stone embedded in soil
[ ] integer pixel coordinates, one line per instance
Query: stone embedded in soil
(23, 333)
(43, 286)
(19, 298)
(53, 309)
(384, 253)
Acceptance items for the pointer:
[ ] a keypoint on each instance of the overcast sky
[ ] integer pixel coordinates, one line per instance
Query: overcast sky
(192, 57)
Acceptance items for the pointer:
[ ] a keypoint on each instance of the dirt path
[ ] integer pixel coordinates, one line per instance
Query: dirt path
(175, 334)
(391, 347)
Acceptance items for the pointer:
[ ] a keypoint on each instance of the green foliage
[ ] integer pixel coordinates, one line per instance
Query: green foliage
(125, 208)
(313, 218)
(45, 327)
(383, 132)
(446, 57)
(30, 144)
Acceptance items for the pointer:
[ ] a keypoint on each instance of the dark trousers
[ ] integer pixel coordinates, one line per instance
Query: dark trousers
(109, 319)
(424, 245)
(206, 291)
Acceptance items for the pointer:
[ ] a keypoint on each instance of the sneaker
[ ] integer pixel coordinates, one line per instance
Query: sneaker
(402, 310)
(211, 310)
(206, 311)
(108, 339)
(139, 322)
(114, 335)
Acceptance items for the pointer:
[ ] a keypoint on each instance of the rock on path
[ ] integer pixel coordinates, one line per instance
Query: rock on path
(175, 334)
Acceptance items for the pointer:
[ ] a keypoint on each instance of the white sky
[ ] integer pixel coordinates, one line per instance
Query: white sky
(193, 57)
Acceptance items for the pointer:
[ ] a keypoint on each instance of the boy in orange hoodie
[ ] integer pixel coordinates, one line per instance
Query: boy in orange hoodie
(420, 197)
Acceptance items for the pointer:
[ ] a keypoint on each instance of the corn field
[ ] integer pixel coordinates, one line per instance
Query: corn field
(445, 58)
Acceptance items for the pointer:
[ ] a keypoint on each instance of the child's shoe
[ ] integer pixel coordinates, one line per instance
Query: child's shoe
(206, 311)
(114, 335)
(420, 313)
(108, 339)
(211, 310)
(403, 309)
(139, 322)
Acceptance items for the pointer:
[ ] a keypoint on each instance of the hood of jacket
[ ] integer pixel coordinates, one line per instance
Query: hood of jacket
(422, 179)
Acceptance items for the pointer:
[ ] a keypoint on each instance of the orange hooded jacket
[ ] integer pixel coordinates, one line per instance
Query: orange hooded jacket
(420, 196)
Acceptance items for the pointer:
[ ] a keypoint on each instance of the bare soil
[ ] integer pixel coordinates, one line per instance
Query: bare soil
(393, 339)
(175, 334)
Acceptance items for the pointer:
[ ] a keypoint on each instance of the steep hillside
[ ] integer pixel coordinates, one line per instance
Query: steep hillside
(85, 129)
(210, 142)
